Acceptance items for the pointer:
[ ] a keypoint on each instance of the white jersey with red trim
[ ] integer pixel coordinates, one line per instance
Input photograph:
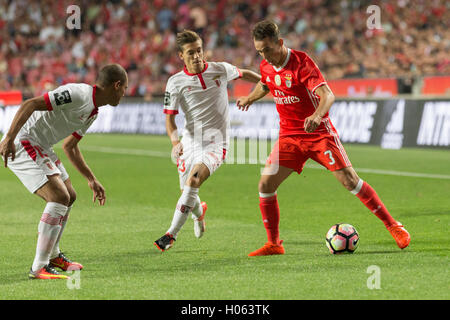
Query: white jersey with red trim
(71, 110)
(203, 97)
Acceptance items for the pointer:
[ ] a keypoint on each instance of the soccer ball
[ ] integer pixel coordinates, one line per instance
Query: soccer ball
(342, 237)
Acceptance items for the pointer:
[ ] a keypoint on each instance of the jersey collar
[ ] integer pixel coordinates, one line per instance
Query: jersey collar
(194, 74)
(284, 63)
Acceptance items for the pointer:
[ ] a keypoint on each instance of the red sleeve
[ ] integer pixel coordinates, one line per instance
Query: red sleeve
(47, 102)
(167, 111)
(310, 74)
(240, 73)
(76, 135)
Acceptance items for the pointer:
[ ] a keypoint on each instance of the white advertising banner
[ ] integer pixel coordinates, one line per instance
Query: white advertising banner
(390, 123)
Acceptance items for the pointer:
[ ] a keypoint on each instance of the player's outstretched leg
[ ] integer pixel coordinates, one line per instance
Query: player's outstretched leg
(367, 195)
(370, 199)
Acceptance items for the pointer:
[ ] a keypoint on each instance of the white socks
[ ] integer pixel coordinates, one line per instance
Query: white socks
(49, 228)
(185, 205)
(56, 250)
(197, 211)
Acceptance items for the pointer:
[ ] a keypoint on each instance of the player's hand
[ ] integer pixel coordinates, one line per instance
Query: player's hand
(98, 190)
(7, 149)
(177, 151)
(243, 103)
(312, 122)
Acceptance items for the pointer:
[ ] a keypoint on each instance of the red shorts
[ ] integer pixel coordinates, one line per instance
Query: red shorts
(324, 148)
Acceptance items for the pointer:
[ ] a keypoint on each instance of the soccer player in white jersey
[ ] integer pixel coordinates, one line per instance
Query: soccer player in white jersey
(64, 113)
(200, 90)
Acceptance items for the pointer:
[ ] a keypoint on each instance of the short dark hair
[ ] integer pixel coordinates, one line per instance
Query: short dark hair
(266, 29)
(110, 74)
(186, 36)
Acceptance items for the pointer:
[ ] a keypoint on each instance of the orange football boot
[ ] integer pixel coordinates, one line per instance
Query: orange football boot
(268, 249)
(400, 235)
(46, 273)
(64, 264)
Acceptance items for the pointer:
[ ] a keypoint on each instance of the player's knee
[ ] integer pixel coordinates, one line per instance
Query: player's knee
(60, 196)
(73, 197)
(193, 182)
(350, 182)
(265, 186)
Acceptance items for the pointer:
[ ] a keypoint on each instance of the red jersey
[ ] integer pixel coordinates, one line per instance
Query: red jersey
(293, 87)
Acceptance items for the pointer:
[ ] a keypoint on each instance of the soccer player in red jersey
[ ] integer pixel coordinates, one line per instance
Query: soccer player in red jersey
(302, 99)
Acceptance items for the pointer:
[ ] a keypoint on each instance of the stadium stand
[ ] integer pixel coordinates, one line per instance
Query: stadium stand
(38, 51)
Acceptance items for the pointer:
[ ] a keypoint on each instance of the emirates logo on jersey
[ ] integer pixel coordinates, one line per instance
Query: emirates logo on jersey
(280, 98)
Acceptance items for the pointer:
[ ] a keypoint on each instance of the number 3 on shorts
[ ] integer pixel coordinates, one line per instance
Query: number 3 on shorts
(330, 155)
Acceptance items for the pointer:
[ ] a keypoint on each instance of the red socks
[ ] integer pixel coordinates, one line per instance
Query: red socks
(369, 197)
(268, 204)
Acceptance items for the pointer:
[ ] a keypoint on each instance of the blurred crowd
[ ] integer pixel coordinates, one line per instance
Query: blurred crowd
(38, 51)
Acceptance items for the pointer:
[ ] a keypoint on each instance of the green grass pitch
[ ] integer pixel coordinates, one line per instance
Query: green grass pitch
(115, 242)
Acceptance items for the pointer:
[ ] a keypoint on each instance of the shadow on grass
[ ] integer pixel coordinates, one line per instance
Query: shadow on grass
(424, 212)
(305, 242)
(383, 252)
(15, 278)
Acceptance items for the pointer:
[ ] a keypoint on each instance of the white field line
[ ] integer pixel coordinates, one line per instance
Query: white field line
(160, 154)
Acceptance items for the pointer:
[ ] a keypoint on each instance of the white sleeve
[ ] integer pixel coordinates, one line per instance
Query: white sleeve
(171, 98)
(79, 134)
(65, 96)
(231, 71)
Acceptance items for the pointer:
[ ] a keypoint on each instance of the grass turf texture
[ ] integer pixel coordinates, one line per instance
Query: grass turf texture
(115, 242)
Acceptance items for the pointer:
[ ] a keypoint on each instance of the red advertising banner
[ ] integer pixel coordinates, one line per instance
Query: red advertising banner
(436, 85)
(364, 87)
(351, 88)
(10, 98)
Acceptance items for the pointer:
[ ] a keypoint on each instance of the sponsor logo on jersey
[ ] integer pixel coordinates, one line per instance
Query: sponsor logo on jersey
(62, 97)
(280, 98)
(286, 100)
(167, 99)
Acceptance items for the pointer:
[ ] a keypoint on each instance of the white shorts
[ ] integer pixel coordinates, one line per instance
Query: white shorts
(212, 156)
(33, 164)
